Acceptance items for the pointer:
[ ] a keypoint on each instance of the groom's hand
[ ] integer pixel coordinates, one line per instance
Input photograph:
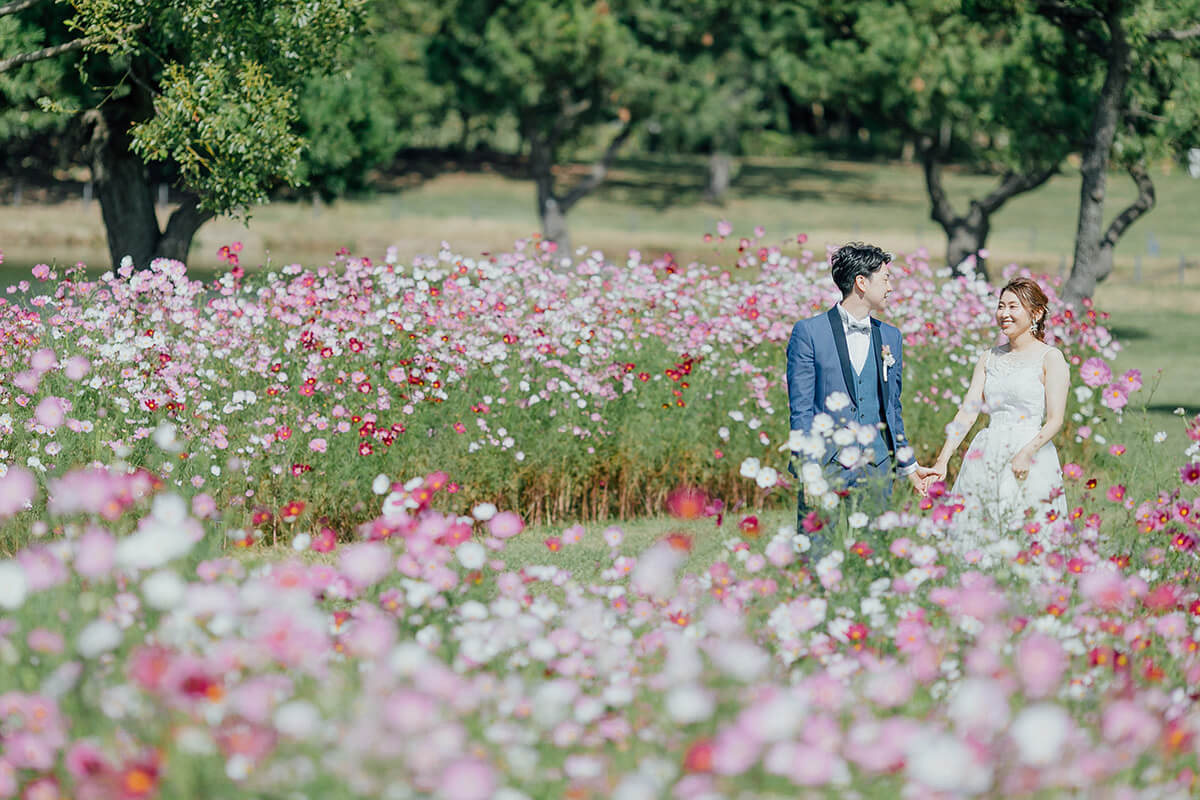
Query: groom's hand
(919, 478)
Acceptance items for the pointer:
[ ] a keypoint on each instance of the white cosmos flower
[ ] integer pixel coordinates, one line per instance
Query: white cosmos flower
(767, 478)
(822, 423)
(98, 637)
(471, 554)
(844, 436)
(301, 542)
(163, 589)
(837, 401)
(810, 473)
(13, 585)
(689, 703)
(848, 456)
(750, 468)
(298, 719)
(483, 512)
(858, 520)
(381, 484)
(1040, 732)
(944, 763)
(1083, 394)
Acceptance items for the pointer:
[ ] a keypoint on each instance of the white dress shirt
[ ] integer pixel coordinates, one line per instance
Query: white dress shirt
(858, 346)
(858, 338)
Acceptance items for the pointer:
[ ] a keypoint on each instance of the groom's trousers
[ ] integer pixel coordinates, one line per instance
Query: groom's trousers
(870, 492)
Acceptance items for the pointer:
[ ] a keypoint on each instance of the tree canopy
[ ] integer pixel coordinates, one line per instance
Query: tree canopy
(206, 88)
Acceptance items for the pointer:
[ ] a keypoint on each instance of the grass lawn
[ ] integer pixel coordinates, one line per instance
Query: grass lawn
(655, 205)
(1162, 344)
(587, 559)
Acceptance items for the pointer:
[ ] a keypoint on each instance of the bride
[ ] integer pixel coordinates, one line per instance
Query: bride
(1011, 467)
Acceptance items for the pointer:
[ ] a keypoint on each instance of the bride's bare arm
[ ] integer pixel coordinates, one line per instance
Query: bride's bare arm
(1058, 383)
(968, 412)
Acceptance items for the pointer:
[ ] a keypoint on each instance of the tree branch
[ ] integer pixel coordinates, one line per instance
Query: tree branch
(66, 47)
(186, 220)
(17, 5)
(599, 170)
(1175, 36)
(47, 52)
(1076, 20)
(1064, 11)
(1015, 184)
(1138, 208)
(940, 209)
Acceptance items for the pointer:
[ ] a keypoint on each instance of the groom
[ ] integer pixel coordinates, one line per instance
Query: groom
(848, 352)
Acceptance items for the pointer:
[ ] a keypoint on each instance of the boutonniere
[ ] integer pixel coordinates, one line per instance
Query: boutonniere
(888, 360)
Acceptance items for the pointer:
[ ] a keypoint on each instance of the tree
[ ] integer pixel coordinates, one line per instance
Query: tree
(563, 69)
(205, 91)
(725, 87)
(355, 120)
(957, 86)
(1144, 98)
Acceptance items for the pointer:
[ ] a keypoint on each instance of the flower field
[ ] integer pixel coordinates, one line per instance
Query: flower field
(258, 535)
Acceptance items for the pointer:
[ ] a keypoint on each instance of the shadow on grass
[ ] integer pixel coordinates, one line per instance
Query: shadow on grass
(1129, 333)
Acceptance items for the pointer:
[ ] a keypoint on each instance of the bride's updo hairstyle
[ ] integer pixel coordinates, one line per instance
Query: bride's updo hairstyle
(1034, 300)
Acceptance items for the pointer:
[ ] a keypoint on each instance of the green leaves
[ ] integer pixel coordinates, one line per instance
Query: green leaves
(227, 129)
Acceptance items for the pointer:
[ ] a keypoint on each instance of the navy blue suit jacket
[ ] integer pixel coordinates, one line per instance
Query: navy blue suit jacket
(818, 364)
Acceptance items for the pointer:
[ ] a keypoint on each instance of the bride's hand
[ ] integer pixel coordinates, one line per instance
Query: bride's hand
(1020, 464)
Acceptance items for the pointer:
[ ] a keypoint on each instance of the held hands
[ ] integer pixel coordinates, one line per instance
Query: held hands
(921, 477)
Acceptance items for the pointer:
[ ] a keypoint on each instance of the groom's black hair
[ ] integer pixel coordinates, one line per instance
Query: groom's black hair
(854, 259)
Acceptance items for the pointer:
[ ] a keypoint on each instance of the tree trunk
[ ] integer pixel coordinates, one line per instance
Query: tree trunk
(1090, 265)
(127, 202)
(549, 206)
(554, 226)
(966, 235)
(720, 174)
(552, 207)
(176, 240)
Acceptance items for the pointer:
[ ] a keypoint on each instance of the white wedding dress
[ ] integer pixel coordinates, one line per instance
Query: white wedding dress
(994, 501)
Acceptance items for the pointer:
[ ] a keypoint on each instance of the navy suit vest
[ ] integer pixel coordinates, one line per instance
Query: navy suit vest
(870, 404)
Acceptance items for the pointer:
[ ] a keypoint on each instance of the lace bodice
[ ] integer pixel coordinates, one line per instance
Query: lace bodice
(1013, 392)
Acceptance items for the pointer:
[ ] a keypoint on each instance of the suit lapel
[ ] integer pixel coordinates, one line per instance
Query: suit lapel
(877, 349)
(839, 341)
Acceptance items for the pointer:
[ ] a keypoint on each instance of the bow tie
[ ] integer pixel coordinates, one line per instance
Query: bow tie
(854, 326)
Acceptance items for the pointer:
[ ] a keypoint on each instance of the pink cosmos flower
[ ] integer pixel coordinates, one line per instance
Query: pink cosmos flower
(1126, 722)
(1095, 372)
(203, 506)
(1171, 626)
(43, 360)
(318, 445)
(49, 412)
(94, 553)
(1115, 397)
(1072, 471)
(17, 487)
(77, 368)
(1104, 588)
(1190, 473)
(41, 640)
(1041, 662)
(505, 525)
(468, 779)
(1132, 380)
